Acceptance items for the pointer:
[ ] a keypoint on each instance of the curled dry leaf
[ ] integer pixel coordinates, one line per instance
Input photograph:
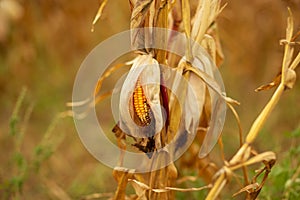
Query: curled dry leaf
(247, 188)
(276, 81)
(252, 193)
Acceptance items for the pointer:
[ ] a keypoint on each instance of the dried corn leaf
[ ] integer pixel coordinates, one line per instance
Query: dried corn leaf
(146, 187)
(178, 87)
(167, 189)
(176, 15)
(191, 93)
(211, 43)
(139, 190)
(160, 36)
(187, 27)
(99, 13)
(213, 31)
(161, 158)
(108, 74)
(207, 71)
(121, 142)
(268, 156)
(215, 125)
(201, 20)
(206, 13)
(121, 176)
(247, 189)
(137, 22)
(139, 12)
(208, 43)
(209, 81)
(271, 85)
(193, 189)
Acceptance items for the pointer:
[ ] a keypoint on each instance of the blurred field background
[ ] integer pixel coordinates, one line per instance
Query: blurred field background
(42, 44)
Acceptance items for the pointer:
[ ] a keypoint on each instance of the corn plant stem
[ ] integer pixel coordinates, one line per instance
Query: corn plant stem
(258, 123)
(261, 119)
(244, 168)
(219, 184)
(256, 127)
(295, 63)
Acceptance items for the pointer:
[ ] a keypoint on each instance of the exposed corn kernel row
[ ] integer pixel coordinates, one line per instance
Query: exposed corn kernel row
(141, 107)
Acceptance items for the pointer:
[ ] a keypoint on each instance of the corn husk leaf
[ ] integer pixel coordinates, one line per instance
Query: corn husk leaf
(147, 70)
(204, 68)
(175, 108)
(190, 91)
